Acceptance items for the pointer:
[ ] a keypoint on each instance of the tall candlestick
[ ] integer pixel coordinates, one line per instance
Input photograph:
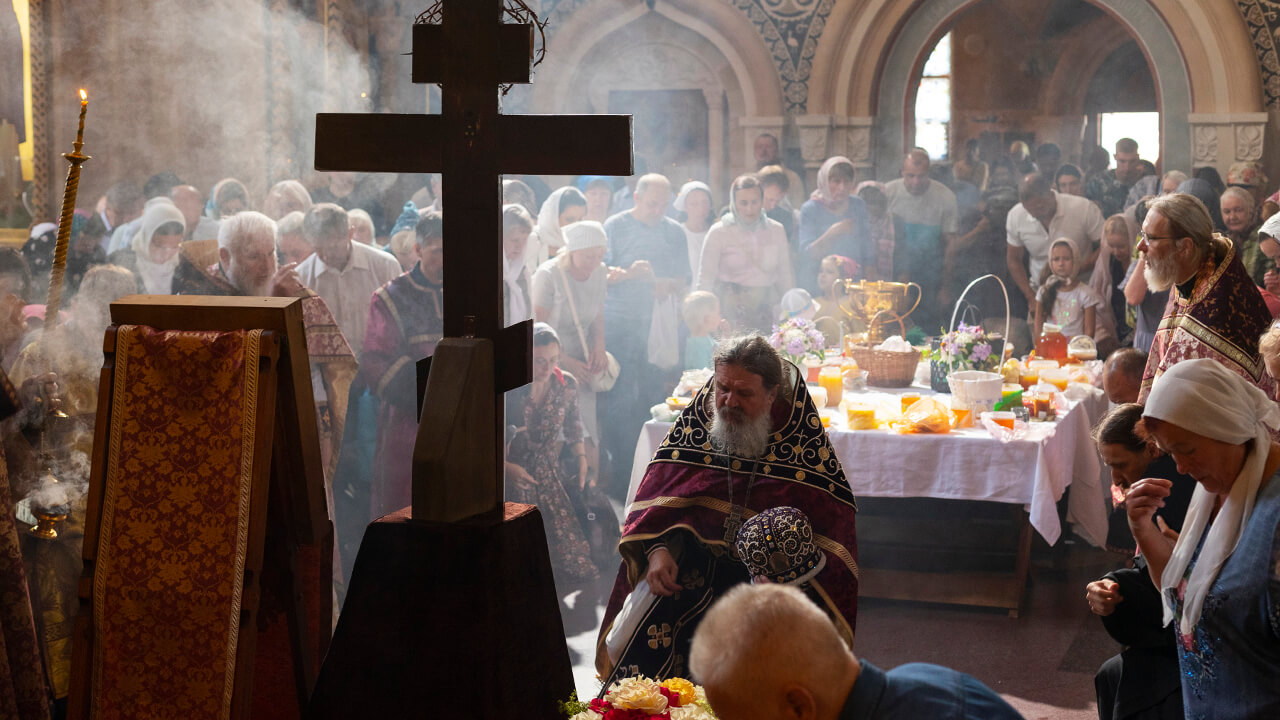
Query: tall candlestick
(75, 158)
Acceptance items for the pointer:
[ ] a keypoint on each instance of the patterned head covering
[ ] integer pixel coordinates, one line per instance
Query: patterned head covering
(408, 219)
(1248, 174)
(778, 544)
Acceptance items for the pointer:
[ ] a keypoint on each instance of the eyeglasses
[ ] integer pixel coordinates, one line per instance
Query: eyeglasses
(1148, 239)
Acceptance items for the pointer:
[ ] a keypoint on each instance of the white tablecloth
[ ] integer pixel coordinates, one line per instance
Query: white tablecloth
(968, 464)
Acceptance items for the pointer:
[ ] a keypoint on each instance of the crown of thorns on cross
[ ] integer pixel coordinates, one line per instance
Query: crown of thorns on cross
(516, 12)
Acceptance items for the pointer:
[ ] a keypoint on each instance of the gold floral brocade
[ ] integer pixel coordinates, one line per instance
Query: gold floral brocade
(175, 523)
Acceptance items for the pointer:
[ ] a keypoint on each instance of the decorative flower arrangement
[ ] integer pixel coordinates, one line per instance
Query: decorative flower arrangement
(966, 348)
(797, 338)
(639, 697)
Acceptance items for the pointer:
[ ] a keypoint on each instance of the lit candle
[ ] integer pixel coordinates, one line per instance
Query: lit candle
(76, 158)
(84, 107)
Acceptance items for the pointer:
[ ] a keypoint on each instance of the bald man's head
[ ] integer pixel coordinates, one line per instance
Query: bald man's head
(190, 202)
(915, 171)
(766, 651)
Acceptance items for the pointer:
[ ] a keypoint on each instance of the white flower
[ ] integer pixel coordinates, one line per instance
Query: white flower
(587, 715)
(639, 693)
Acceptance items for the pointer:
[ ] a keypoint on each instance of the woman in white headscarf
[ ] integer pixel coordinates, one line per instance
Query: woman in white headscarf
(694, 205)
(745, 260)
(565, 206)
(516, 227)
(153, 253)
(568, 294)
(1220, 579)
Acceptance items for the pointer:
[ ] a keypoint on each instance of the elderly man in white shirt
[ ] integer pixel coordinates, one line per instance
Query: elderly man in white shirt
(1042, 217)
(343, 272)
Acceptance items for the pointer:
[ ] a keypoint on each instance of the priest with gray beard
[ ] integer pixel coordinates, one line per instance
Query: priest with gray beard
(1215, 310)
(751, 440)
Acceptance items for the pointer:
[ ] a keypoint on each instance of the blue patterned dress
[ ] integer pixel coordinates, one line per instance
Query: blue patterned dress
(1231, 662)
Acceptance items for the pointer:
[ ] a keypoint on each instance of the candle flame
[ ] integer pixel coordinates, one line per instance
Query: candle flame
(84, 96)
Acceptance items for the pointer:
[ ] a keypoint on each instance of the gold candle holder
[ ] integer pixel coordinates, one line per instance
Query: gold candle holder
(76, 159)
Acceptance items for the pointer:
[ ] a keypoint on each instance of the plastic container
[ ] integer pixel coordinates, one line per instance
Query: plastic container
(1057, 377)
(1082, 349)
(861, 417)
(1004, 419)
(1052, 344)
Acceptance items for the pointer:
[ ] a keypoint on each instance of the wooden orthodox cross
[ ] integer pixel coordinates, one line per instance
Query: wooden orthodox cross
(458, 458)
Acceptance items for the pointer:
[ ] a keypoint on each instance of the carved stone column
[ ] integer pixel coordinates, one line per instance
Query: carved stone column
(717, 162)
(851, 137)
(815, 143)
(1220, 139)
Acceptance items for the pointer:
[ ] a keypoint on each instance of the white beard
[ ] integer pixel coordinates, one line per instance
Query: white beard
(1159, 274)
(261, 290)
(744, 438)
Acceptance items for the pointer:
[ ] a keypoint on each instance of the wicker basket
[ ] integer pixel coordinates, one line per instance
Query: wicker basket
(886, 368)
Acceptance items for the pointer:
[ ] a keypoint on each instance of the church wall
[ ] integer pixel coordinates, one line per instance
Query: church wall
(230, 87)
(213, 89)
(856, 56)
(169, 89)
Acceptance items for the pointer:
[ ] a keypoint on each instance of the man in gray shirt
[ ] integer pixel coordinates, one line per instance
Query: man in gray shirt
(648, 260)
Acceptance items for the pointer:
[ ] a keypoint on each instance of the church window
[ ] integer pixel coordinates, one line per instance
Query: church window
(933, 101)
(1143, 127)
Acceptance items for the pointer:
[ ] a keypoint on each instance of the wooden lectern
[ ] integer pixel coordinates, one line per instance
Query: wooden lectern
(207, 548)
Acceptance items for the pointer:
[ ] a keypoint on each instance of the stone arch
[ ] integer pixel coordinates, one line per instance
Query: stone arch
(679, 44)
(1201, 54)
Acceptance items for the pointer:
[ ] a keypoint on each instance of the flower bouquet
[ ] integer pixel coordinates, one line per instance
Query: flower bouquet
(967, 347)
(797, 339)
(637, 698)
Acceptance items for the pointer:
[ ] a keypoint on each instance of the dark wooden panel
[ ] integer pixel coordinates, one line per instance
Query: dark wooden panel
(515, 53)
(567, 144)
(378, 143)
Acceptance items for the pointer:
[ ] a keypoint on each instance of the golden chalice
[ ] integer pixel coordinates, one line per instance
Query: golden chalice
(875, 303)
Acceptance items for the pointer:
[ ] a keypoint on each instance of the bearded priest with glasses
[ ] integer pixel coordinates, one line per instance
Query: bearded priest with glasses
(750, 441)
(1215, 310)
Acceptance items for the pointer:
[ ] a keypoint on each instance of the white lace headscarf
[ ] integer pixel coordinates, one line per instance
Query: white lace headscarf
(1204, 397)
(157, 277)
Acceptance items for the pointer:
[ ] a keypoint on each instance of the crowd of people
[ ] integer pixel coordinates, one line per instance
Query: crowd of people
(630, 284)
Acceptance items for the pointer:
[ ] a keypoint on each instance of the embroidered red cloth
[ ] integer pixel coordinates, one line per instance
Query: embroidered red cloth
(175, 523)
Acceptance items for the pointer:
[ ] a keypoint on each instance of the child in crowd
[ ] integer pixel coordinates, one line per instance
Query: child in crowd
(833, 269)
(1269, 349)
(701, 312)
(1062, 299)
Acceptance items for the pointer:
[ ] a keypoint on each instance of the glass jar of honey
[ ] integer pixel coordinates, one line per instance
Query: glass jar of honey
(830, 379)
(909, 399)
(1052, 344)
(1043, 407)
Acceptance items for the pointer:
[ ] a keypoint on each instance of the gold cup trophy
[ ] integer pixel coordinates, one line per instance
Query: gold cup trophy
(875, 303)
